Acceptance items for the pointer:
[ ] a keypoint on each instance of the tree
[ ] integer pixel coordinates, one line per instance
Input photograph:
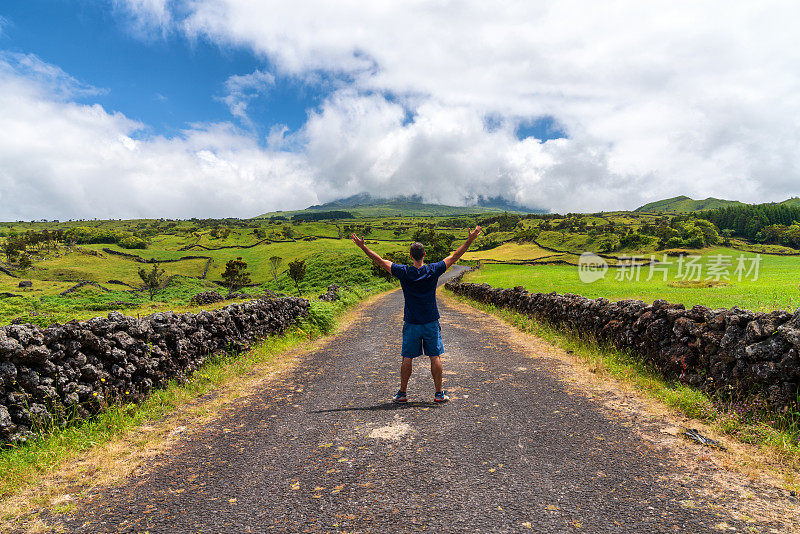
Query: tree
(152, 279)
(274, 267)
(297, 271)
(235, 274)
(12, 248)
(25, 261)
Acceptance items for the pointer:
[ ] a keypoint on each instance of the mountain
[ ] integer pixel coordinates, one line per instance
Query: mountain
(793, 202)
(365, 205)
(684, 204)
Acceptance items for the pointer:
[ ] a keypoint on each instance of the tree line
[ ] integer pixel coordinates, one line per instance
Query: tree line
(765, 223)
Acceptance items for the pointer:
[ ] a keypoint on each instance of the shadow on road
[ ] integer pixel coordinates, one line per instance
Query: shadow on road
(386, 406)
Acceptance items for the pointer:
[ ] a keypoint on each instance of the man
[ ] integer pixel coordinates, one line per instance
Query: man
(421, 330)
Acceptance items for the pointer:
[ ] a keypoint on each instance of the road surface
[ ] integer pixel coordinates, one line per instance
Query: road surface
(324, 450)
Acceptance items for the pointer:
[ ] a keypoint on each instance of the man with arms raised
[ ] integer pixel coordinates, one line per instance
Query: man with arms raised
(421, 330)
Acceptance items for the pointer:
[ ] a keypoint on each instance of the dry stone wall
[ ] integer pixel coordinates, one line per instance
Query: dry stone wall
(734, 353)
(76, 369)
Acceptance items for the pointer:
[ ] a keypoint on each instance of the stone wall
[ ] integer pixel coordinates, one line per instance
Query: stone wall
(738, 354)
(78, 368)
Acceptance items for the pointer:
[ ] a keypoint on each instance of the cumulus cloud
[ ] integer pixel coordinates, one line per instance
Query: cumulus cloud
(656, 99)
(61, 159)
(241, 89)
(47, 77)
(449, 154)
(147, 18)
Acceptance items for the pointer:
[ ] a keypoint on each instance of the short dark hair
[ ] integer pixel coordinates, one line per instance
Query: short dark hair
(417, 251)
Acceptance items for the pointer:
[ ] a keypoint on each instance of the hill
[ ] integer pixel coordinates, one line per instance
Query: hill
(365, 205)
(684, 204)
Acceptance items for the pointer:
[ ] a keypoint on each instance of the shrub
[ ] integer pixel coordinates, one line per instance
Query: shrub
(131, 241)
(322, 316)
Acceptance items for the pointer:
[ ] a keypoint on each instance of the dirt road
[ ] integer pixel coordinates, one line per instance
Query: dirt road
(516, 450)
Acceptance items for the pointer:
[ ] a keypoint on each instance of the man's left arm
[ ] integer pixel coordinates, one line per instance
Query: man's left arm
(455, 256)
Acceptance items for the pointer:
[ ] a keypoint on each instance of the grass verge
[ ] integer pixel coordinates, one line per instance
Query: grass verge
(52, 471)
(776, 434)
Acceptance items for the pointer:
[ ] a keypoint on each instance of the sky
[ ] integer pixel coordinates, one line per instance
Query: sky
(233, 108)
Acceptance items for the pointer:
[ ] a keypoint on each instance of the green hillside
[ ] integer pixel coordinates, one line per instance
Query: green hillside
(793, 202)
(684, 204)
(364, 205)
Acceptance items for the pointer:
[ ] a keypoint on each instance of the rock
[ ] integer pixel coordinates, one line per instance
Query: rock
(8, 373)
(207, 297)
(35, 355)
(123, 340)
(331, 294)
(7, 426)
(25, 283)
(269, 294)
(10, 348)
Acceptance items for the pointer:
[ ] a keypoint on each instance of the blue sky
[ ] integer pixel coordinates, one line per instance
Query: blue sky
(183, 108)
(164, 81)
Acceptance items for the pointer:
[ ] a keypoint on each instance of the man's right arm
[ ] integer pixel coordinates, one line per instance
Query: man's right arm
(376, 259)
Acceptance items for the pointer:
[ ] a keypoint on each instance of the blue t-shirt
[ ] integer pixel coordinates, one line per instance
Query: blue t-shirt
(419, 289)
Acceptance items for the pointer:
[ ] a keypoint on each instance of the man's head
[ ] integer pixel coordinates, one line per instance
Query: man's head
(417, 251)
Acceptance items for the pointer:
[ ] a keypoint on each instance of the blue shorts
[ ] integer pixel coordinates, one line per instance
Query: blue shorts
(419, 338)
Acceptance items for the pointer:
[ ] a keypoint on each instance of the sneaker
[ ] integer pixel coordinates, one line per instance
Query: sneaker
(441, 396)
(400, 397)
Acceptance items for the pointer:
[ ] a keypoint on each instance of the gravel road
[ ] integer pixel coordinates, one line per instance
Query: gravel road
(324, 450)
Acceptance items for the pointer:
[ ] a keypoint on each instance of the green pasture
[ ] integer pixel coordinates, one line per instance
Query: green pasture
(44, 305)
(329, 259)
(74, 266)
(257, 258)
(775, 288)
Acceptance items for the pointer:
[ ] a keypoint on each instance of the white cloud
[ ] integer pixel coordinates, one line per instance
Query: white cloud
(47, 77)
(658, 99)
(447, 154)
(676, 97)
(61, 159)
(240, 90)
(147, 18)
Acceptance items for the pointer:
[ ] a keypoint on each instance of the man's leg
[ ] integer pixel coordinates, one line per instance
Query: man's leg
(405, 372)
(436, 372)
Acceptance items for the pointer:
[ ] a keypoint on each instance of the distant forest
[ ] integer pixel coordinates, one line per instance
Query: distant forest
(777, 224)
(323, 216)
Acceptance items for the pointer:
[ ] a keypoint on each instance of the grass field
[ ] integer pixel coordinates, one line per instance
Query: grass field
(58, 265)
(775, 288)
(510, 252)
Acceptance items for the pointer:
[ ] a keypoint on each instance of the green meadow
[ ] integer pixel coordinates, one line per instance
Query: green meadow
(538, 251)
(776, 286)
